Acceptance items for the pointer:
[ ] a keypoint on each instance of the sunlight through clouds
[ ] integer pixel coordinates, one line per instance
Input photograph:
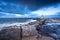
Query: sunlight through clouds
(13, 10)
(10, 14)
(47, 11)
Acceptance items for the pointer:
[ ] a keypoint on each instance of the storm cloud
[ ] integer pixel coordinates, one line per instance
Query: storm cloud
(35, 4)
(29, 8)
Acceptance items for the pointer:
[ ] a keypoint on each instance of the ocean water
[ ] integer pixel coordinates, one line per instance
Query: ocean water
(11, 20)
(14, 21)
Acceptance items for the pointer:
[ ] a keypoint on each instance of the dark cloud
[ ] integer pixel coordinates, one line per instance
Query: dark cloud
(35, 4)
(10, 0)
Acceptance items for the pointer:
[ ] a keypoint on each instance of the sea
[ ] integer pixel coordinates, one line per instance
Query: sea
(14, 21)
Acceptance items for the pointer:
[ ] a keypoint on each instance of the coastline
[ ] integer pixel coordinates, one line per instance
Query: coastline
(27, 30)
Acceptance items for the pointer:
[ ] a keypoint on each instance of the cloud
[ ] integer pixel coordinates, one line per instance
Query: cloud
(51, 11)
(47, 11)
(10, 15)
(14, 15)
(36, 4)
(12, 7)
(32, 4)
(3, 3)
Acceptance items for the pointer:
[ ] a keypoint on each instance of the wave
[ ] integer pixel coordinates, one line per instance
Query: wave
(16, 23)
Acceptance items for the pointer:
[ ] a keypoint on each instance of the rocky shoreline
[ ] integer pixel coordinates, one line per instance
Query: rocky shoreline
(28, 30)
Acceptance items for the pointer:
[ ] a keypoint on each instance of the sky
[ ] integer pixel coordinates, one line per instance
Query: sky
(29, 8)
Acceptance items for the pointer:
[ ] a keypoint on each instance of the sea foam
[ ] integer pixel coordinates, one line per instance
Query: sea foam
(16, 23)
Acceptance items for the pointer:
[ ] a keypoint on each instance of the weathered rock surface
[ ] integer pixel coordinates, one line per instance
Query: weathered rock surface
(29, 32)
